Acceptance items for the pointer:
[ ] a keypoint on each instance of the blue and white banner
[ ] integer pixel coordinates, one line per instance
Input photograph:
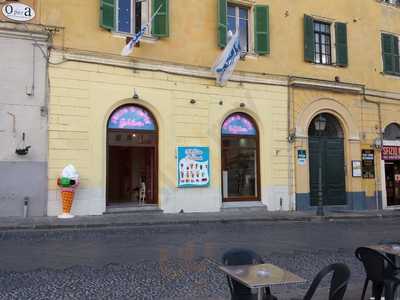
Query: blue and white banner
(138, 36)
(225, 64)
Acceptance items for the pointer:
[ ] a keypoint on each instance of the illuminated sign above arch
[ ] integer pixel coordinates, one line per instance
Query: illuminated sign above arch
(133, 118)
(238, 124)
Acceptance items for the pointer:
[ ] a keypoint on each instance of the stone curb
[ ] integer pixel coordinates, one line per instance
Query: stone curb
(178, 221)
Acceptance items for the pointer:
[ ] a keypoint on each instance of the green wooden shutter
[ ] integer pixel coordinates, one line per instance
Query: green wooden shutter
(309, 40)
(107, 14)
(261, 29)
(388, 53)
(341, 44)
(160, 26)
(396, 56)
(222, 23)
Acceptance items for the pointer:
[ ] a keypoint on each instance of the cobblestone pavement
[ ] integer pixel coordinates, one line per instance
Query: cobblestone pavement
(176, 261)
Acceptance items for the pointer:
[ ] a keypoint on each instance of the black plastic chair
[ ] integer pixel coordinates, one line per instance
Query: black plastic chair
(236, 257)
(380, 270)
(394, 258)
(340, 279)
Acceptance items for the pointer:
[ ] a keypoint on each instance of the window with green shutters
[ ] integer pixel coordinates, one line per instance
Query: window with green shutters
(222, 23)
(128, 16)
(107, 14)
(341, 44)
(318, 42)
(261, 29)
(233, 17)
(309, 43)
(160, 26)
(390, 54)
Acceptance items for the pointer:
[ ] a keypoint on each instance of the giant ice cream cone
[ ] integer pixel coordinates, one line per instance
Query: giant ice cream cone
(68, 181)
(67, 196)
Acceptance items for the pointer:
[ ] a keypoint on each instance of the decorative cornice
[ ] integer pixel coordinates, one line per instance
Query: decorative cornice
(201, 72)
(24, 31)
(326, 85)
(59, 56)
(382, 94)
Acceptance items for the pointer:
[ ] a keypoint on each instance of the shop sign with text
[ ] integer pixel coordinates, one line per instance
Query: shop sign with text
(18, 12)
(391, 153)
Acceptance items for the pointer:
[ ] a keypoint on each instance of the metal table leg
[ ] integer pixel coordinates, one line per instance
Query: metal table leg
(260, 293)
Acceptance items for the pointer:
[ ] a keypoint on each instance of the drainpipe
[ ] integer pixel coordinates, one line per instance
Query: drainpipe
(291, 181)
(377, 180)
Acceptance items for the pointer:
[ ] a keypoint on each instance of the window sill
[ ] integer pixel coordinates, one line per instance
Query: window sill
(396, 6)
(392, 76)
(243, 2)
(146, 38)
(249, 55)
(328, 66)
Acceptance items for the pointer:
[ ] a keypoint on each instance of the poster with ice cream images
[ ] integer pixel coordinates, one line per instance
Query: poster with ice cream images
(193, 166)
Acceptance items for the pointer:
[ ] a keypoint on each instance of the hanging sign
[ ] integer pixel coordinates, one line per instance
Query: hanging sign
(368, 163)
(193, 166)
(301, 156)
(18, 12)
(390, 153)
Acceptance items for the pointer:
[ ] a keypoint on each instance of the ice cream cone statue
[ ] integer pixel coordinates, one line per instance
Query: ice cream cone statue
(68, 182)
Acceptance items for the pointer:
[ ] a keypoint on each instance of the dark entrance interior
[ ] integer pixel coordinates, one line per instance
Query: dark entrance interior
(128, 168)
(326, 148)
(392, 173)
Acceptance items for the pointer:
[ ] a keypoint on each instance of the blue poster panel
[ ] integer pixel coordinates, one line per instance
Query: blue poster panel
(193, 166)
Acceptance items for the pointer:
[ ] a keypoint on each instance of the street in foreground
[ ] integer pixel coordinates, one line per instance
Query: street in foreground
(175, 261)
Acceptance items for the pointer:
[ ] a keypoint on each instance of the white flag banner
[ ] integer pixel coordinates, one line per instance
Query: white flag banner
(225, 64)
(137, 36)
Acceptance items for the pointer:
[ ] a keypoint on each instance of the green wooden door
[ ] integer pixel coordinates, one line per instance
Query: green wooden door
(333, 176)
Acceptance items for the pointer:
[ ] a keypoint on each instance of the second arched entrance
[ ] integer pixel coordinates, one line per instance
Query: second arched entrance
(327, 163)
(240, 159)
(132, 167)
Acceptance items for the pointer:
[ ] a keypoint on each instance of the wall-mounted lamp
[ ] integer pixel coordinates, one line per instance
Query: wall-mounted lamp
(24, 149)
(135, 95)
(377, 143)
(192, 101)
(292, 136)
(221, 102)
(242, 104)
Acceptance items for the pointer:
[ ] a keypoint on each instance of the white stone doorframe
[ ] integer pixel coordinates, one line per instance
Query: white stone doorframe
(383, 177)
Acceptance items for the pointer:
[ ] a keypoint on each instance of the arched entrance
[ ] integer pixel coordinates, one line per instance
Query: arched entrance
(391, 156)
(240, 159)
(327, 167)
(132, 145)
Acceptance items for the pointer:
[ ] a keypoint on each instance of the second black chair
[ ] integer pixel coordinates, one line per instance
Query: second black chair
(340, 279)
(380, 270)
(236, 257)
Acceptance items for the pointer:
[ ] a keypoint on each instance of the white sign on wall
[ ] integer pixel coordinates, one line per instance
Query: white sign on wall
(18, 12)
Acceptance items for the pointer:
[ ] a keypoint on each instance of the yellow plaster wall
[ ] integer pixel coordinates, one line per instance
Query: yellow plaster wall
(193, 38)
(361, 124)
(346, 107)
(83, 95)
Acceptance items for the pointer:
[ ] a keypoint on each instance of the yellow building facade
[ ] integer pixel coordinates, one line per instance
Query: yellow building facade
(304, 62)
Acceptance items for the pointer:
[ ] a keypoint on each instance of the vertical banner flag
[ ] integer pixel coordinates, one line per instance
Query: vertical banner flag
(225, 64)
(137, 36)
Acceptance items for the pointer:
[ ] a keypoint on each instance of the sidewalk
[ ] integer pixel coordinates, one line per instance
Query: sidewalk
(146, 218)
